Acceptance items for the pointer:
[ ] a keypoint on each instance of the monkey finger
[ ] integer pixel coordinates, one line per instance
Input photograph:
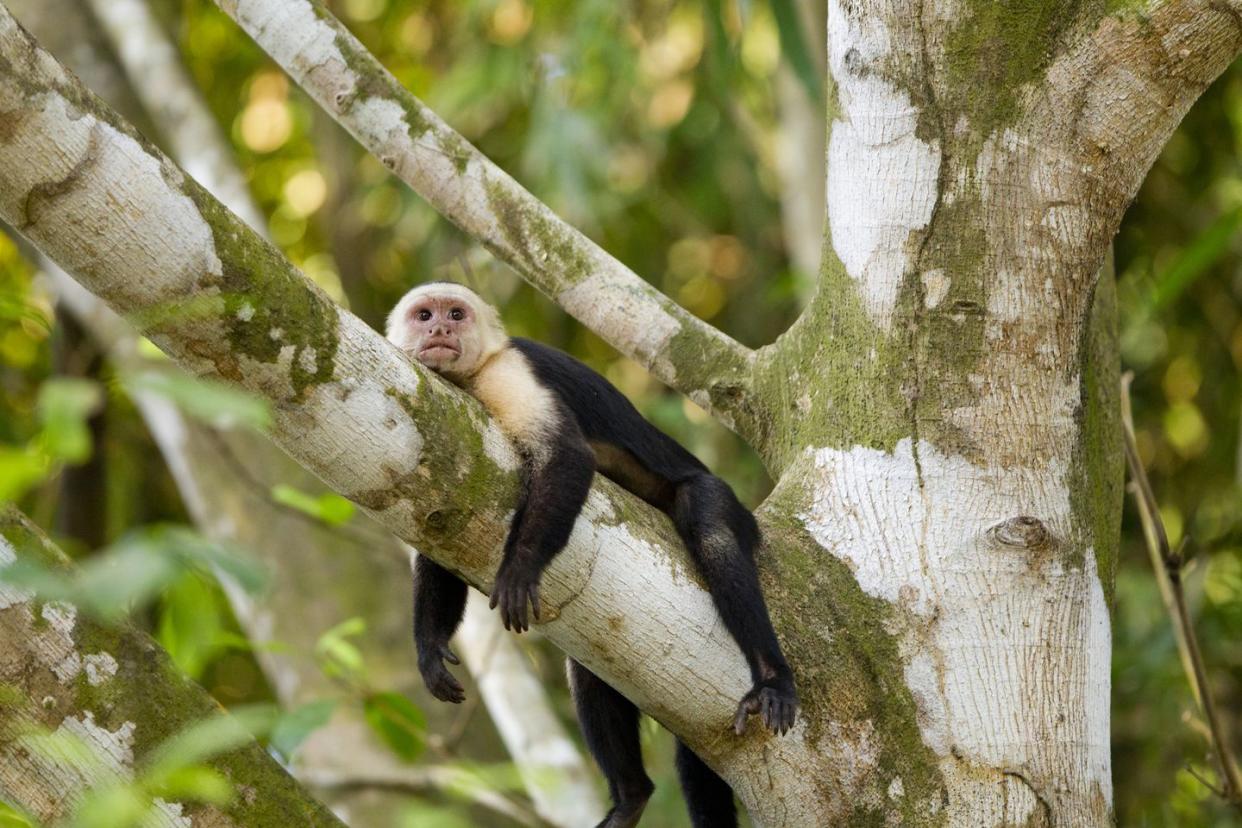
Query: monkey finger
(739, 720)
(449, 655)
(534, 600)
(748, 706)
(519, 610)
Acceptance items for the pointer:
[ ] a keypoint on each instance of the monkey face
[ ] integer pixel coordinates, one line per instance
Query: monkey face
(447, 328)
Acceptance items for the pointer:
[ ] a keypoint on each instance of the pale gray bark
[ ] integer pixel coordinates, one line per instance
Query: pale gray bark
(940, 420)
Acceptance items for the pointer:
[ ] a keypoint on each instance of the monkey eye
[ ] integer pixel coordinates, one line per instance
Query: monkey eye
(457, 314)
(424, 315)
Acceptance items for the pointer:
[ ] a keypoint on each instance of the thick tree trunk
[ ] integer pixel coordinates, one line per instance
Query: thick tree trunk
(940, 421)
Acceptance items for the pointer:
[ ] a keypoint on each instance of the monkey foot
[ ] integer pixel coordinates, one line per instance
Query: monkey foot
(773, 700)
(624, 814)
(440, 682)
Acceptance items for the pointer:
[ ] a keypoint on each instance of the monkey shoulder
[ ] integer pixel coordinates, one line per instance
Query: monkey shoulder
(525, 408)
(607, 419)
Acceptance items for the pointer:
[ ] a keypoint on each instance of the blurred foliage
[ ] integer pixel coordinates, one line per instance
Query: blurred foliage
(1179, 256)
(650, 126)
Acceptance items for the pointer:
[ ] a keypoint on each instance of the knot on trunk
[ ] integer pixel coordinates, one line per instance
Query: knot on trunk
(1023, 532)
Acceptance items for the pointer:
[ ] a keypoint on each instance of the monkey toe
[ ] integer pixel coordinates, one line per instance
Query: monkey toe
(447, 689)
(512, 600)
(441, 683)
(776, 706)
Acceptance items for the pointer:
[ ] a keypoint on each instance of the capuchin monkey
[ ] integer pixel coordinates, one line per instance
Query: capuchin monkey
(569, 422)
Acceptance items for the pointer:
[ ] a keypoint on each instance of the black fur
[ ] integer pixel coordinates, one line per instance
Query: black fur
(601, 430)
(708, 797)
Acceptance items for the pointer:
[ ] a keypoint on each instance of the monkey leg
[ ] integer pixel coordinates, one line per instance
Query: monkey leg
(708, 797)
(609, 723)
(439, 603)
(721, 536)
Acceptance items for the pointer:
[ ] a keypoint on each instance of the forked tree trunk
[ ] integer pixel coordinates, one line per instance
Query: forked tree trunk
(941, 420)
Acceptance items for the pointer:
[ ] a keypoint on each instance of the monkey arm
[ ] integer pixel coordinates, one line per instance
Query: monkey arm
(557, 480)
(439, 603)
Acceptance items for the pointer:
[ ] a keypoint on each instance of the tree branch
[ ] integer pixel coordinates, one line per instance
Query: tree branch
(419, 455)
(206, 463)
(1167, 566)
(550, 765)
(1129, 78)
(487, 204)
(166, 91)
(118, 692)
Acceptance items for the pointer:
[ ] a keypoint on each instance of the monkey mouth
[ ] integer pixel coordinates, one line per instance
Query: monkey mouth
(439, 350)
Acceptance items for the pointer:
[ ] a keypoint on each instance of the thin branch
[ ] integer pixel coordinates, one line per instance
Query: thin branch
(337, 71)
(551, 767)
(453, 781)
(1167, 564)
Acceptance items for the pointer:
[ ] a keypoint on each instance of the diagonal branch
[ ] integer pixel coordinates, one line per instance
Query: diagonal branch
(1167, 566)
(489, 205)
(419, 455)
(117, 692)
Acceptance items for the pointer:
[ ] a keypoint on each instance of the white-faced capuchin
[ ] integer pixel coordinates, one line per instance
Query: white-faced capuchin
(569, 422)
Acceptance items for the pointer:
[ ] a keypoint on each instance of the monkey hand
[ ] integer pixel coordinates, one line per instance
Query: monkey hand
(774, 700)
(515, 586)
(440, 682)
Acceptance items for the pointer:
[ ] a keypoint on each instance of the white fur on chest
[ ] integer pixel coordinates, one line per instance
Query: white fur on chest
(525, 410)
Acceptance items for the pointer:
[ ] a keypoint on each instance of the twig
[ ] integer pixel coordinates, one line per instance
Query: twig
(421, 780)
(1167, 564)
(1190, 769)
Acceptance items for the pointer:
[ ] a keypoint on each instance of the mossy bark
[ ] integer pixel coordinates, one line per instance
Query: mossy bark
(117, 690)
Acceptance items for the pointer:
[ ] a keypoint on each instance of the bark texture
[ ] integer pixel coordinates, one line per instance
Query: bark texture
(941, 421)
(119, 694)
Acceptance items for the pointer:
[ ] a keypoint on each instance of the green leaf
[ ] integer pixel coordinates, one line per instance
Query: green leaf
(11, 817)
(21, 469)
(796, 47)
(211, 556)
(329, 507)
(65, 404)
(132, 571)
(293, 727)
(1199, 255)
(190, 623)
(340, 658)
(116, 806)
(397, 722)
(126, 575)
(207, 400)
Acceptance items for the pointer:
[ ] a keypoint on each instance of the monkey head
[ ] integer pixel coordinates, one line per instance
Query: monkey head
(448, 328)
